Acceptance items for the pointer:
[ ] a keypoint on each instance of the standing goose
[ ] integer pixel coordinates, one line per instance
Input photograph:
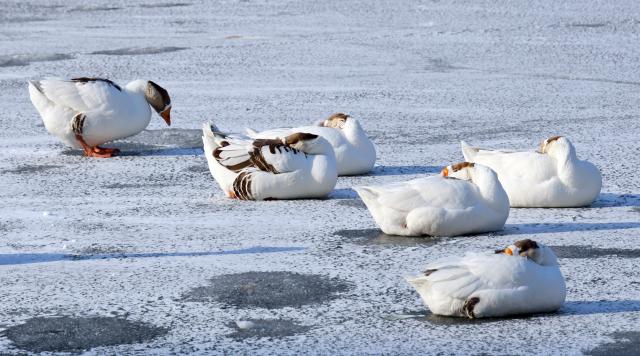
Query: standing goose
(524, 278)
(87, 112)
(464, 199)
(552, 177)
(355, 153)
(301, 165)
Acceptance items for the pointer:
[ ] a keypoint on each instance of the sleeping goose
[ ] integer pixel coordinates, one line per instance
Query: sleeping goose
(354, 151)
(87, 112)
(552, 177)
(466, 198)
(524, 278)
(300, 165)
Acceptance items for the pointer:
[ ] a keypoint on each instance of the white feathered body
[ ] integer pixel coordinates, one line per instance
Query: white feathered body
(437, 206)
(111, 114)
(505, 285)
(300, 175)
(533, 179)
(354, 151)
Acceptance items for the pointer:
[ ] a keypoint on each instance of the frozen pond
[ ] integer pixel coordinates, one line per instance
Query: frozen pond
(146, 242)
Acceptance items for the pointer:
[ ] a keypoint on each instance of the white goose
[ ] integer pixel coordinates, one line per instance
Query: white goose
(465, 199)
(552, 177)
(522, 279)
(301, 165)
(87, 112)
(354, 151)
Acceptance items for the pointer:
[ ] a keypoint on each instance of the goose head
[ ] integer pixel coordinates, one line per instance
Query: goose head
(336, 121)
(159, 100)
(308, 143)
(557, 146)
(462, 170)
(532, 250)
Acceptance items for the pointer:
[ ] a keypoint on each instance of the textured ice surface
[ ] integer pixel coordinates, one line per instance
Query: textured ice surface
(130, 236)
(276, 328)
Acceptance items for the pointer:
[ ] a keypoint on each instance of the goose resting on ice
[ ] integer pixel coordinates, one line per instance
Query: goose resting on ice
(524, 278)
(300, 165)
(464, 199)
(355, 153)
(554, 177)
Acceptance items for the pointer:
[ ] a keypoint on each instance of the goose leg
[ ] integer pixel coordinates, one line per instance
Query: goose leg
(469, 305)
(92, 151)
(103, 150)
(77, 124)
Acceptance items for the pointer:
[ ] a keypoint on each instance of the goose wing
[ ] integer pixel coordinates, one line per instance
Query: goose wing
(460, 278)
(434, 191)
(519, 165)
(267, 155)
(81, 94)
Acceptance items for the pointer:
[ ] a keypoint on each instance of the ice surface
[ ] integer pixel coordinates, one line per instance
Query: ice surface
(257, 328)
(130, 236)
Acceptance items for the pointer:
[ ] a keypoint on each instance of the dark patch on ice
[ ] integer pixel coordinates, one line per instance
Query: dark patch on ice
(28, 258)
(543, 228)
(271, 290)
(31, 168)
(271, 328)
(352, 203)
(94, 8)
(626, 343)
(580, 251)
(67, 334)
(377, 237)
(612, 200)
(440, 65)
(135, 185)
(198, 168)
(165, 4)
(135, 51)
(589, 25)
(636, 209)
(20, 60)
(578, 79)
(403, 170)
(23, 19)
(101, 250)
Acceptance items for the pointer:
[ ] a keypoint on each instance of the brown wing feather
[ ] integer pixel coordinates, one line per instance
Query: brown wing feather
(255, 157)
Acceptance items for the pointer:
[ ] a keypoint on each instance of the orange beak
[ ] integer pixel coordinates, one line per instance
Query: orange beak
(166, 115)
(508, 251)
(445, 172)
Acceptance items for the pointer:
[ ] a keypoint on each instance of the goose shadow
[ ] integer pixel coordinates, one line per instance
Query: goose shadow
(543, 228)
(167, 151)
(403, 170)
(570, 308)
(28, 258)
(343, 193)
(163, 142)
(589, 307)
(612, 200)
(377, 237)
(141, 149)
